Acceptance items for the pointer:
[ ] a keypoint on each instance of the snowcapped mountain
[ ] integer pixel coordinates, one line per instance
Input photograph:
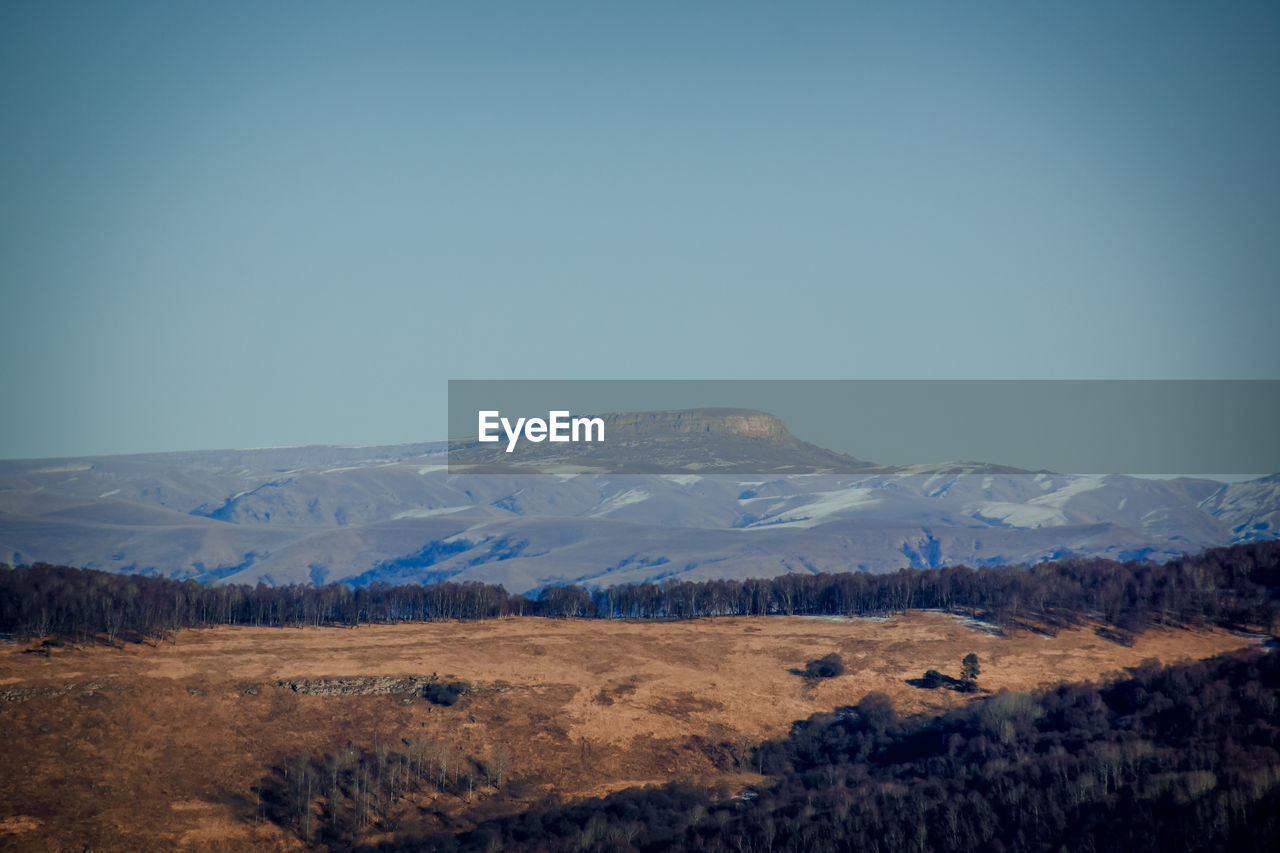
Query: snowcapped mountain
(393, 513)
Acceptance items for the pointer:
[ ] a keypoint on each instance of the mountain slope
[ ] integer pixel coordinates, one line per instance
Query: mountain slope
(393, 513)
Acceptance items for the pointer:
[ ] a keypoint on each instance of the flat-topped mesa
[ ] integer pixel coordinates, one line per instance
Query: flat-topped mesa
(680, 441)
(737, 422)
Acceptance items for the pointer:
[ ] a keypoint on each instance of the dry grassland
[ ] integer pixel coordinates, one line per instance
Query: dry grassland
(146, 748)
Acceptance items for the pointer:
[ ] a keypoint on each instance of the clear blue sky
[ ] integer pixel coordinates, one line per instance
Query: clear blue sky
(247, 224)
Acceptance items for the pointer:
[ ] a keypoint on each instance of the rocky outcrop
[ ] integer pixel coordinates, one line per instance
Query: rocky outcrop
(22, 694)
(371, 685)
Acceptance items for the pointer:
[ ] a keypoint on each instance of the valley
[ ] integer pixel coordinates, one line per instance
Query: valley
(184, 744)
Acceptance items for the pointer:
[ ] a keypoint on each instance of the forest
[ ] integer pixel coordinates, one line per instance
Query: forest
(1182, 758)
(333, 798)
(1179, 759)
(1237, 586)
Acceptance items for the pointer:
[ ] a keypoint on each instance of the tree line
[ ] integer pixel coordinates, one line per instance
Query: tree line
(1179, 759)
(335, 797)
(1237, 585)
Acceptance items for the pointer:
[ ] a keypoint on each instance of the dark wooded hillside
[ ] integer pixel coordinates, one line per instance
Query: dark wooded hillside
(1238, 586)
(1179, 759)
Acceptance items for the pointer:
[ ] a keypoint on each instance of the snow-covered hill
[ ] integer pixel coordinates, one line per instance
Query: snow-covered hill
(323, 514)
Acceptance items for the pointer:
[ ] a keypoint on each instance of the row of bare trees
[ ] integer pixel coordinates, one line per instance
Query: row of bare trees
(340, 796)
(1236, 585)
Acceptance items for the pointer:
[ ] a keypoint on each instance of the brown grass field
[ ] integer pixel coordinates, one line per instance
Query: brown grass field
(140, 748)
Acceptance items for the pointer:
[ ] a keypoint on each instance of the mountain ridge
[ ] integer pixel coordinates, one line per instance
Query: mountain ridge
(394, 512)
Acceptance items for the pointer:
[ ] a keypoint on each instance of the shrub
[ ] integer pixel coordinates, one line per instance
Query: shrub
(828, 666)
(439, 693)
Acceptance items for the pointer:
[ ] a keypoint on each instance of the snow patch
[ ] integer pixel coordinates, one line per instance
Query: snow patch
(110, 493)
(813, 513)
(1041, 511)
(977, 624)
(834, 618)
(1019, 515)
(618, 501)
(428, 513)
(1070, 490)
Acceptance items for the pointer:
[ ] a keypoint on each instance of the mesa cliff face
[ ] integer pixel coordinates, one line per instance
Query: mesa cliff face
(689, 422)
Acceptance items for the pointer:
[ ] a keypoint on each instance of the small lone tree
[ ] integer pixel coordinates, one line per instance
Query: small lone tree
(969, 671)
(932, 679)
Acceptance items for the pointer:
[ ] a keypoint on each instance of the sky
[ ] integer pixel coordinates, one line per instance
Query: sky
(278, 223)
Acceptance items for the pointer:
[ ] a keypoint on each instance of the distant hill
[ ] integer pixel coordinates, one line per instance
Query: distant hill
(686, 441)
(393, 513)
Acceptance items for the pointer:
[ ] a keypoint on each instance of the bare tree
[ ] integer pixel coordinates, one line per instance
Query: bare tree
(969, 671)
(495, 768)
